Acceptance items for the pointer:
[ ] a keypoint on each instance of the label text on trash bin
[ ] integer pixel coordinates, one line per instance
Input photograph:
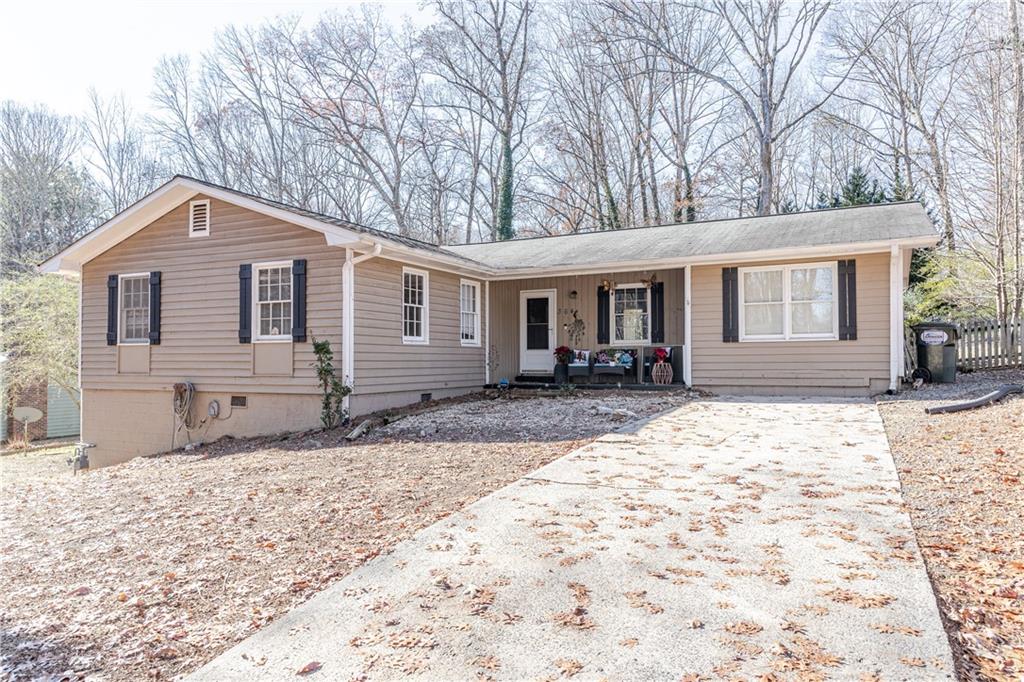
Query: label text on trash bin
(934, 337)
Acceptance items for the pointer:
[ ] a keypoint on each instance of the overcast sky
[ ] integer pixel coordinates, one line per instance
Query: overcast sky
(53, 52)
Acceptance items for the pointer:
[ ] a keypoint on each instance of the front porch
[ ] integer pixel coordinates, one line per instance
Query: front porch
(604, 315)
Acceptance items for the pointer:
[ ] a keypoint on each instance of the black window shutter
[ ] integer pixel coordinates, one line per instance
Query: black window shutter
(848, 300)
(658, 312)
(245, 303)
(154, 308)
(111, 310)
(603, 332)
(299, 299)
(730, 305)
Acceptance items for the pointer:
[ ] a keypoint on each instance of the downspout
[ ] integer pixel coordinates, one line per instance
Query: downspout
(348, 316)
(487, 332)
(687, 329)
(896, 339)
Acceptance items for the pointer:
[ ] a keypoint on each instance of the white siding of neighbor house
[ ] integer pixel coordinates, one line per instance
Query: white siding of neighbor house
(62, 417)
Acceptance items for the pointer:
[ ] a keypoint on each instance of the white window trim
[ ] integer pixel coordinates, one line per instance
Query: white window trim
(787, 334)
(191, 230)
(255, 303)
(611, 313)
(121, 341)
(475, 341)
(425, 338)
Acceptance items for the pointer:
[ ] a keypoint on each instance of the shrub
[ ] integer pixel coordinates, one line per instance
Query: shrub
(332, 408)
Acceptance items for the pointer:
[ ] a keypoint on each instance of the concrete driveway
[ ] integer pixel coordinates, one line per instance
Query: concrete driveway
(728, 538)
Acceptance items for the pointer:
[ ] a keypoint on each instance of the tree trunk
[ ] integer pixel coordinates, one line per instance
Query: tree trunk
(691, 206)
(652, 174)
(766, 177)
(1017, 177)
(677, 196)
(472, 201)
(644, 212)
(505, 188)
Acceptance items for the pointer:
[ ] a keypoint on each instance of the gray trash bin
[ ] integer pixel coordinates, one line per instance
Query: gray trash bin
(936, 350)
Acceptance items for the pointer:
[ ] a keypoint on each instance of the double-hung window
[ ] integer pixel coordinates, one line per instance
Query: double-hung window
(273, 309)
(415, 310)
(789, 302)
(134, 313)
(469, 313)
(631, 313)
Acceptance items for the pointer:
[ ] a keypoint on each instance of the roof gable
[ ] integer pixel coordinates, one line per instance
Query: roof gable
(181, 189)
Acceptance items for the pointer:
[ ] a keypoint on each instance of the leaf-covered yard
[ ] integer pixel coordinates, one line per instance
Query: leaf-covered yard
(151, 568)
(963, 478)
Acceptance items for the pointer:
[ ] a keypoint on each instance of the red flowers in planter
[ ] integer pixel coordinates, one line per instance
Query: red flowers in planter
(562, 354)
(660, 355)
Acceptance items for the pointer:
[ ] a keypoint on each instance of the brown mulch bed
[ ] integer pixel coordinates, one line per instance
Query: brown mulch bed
(963, 478)
(151, 568)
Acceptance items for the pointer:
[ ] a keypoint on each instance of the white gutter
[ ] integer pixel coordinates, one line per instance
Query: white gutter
(348, 316)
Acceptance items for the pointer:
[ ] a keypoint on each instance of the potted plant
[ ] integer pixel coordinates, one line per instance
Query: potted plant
(562, 355)
(661, 372)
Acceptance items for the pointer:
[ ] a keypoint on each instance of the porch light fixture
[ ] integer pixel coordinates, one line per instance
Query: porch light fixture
(650, 282)
(573, 295)
(607, 285)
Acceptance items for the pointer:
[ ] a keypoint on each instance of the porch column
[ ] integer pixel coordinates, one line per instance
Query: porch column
(687, 330)
(896, 337)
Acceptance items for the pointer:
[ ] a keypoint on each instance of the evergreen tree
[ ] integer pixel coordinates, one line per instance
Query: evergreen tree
(859, 190)
(899, 191)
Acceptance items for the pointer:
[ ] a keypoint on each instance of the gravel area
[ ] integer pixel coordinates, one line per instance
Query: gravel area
(153, 567)
(963, 478)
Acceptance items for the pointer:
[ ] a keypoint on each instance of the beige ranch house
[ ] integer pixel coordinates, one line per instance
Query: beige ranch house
(199, 283)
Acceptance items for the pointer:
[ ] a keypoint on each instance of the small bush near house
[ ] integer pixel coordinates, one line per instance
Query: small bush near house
(332, 410)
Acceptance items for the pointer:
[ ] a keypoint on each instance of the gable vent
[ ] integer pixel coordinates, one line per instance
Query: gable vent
(199, 218)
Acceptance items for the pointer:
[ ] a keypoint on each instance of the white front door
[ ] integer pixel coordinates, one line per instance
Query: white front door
(537, 331)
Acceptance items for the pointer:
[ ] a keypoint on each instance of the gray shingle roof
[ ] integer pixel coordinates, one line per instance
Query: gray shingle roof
(881, 222)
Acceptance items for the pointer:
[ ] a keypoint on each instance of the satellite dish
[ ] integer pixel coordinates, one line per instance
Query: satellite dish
(27, 415)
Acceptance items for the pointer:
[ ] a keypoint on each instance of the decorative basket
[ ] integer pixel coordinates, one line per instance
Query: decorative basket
(662, 373)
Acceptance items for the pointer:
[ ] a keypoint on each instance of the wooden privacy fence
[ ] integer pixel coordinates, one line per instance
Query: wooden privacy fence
(989, 344)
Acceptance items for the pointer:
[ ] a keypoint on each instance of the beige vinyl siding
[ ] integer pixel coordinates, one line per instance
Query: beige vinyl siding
(854, 367)
(505, 318)
(383, 363)
(199, 336)
(199, 310)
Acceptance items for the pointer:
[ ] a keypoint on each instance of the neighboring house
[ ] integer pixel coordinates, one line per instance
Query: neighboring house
(60, 413)
(226, 290)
